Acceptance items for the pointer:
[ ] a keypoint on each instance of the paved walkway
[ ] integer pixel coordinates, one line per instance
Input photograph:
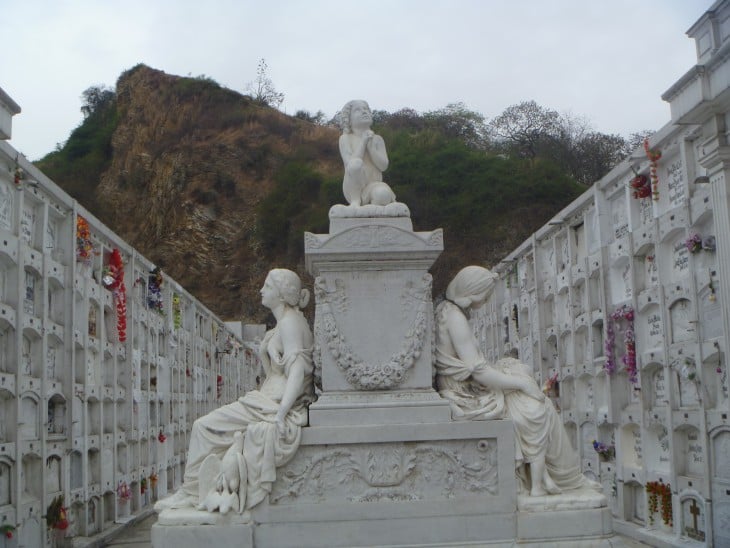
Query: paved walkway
(136, 534)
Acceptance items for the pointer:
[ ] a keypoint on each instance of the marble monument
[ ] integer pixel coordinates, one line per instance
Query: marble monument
(385, 459)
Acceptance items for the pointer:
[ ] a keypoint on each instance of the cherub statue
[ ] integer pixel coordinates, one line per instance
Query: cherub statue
(365, 158)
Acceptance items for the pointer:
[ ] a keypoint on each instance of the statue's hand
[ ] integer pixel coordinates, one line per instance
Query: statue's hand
(532, 390)
(280, 425)
(367, 135)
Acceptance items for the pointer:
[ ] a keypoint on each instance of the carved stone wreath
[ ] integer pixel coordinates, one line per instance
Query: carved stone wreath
(362, 375)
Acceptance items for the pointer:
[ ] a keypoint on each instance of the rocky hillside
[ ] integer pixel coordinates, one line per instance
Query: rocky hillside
(216, 188)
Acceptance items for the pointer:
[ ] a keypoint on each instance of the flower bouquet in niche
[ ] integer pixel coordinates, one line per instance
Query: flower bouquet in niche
(659, 492)
(7, 530)
(123, 491)
(606, 452)
(56, 517)
(694, 243)
(640, 185)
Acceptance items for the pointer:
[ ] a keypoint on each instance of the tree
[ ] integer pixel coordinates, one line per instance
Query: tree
(525, 126)
(262, 89)
(455, 120)
(318, 117)
(595, 154)
(94, 98)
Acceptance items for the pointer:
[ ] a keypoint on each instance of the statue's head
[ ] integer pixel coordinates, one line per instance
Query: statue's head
(472, 285)
(355, 112)
(289, 286)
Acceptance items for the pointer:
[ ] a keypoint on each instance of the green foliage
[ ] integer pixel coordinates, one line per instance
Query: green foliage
(446, 182)
(87, 153)
(299, 201)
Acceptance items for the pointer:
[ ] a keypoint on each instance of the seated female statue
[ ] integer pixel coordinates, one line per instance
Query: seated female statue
(363, 153)
(478, 390)
(235, 450)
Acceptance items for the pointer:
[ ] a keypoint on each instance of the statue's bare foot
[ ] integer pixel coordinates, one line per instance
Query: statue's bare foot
(180, 499)
(537, 491)
(550, 484)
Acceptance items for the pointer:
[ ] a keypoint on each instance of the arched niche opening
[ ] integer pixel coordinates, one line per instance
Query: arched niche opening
(57, 416)
(31, 477)
(54, 471)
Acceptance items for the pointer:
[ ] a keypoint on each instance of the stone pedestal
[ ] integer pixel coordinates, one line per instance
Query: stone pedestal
(382, 463)
(374, 322)
(444, 484)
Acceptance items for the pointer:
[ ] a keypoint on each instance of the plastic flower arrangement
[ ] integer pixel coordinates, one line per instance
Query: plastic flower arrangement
(7, 530)
(694, 243)
(219, 385)
(143, 486)
(123, 491)
(640, 186)
(653, 156)
(657, 489)
(56, 514)
(176, 311)
(606, 452)
(84, 245)
(154, 290)
(551, 384)
(624, 312)
(161, 437)
(113, 280)
(153, 480)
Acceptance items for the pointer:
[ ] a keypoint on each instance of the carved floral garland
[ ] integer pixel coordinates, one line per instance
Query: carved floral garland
(365, 376)
(624, 312)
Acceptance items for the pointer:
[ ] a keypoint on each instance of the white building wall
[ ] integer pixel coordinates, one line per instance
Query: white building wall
(609, 250)
(80, 412)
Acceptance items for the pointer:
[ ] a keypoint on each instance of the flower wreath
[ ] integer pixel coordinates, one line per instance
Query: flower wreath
(624, 312)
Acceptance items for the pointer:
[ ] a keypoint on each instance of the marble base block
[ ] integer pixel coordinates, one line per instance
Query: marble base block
(391, 407)
(377, 485)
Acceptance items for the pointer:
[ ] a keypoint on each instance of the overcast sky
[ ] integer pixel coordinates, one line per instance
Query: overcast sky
(606, 60)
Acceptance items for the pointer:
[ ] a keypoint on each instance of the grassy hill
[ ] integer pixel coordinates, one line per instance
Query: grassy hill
(217, 188)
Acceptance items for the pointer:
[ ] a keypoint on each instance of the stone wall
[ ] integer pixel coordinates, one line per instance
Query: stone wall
(615, 283)
(94, 414)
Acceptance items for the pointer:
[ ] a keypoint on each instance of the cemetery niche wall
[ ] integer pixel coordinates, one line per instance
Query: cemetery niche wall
(621, 305)
(104, 365)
